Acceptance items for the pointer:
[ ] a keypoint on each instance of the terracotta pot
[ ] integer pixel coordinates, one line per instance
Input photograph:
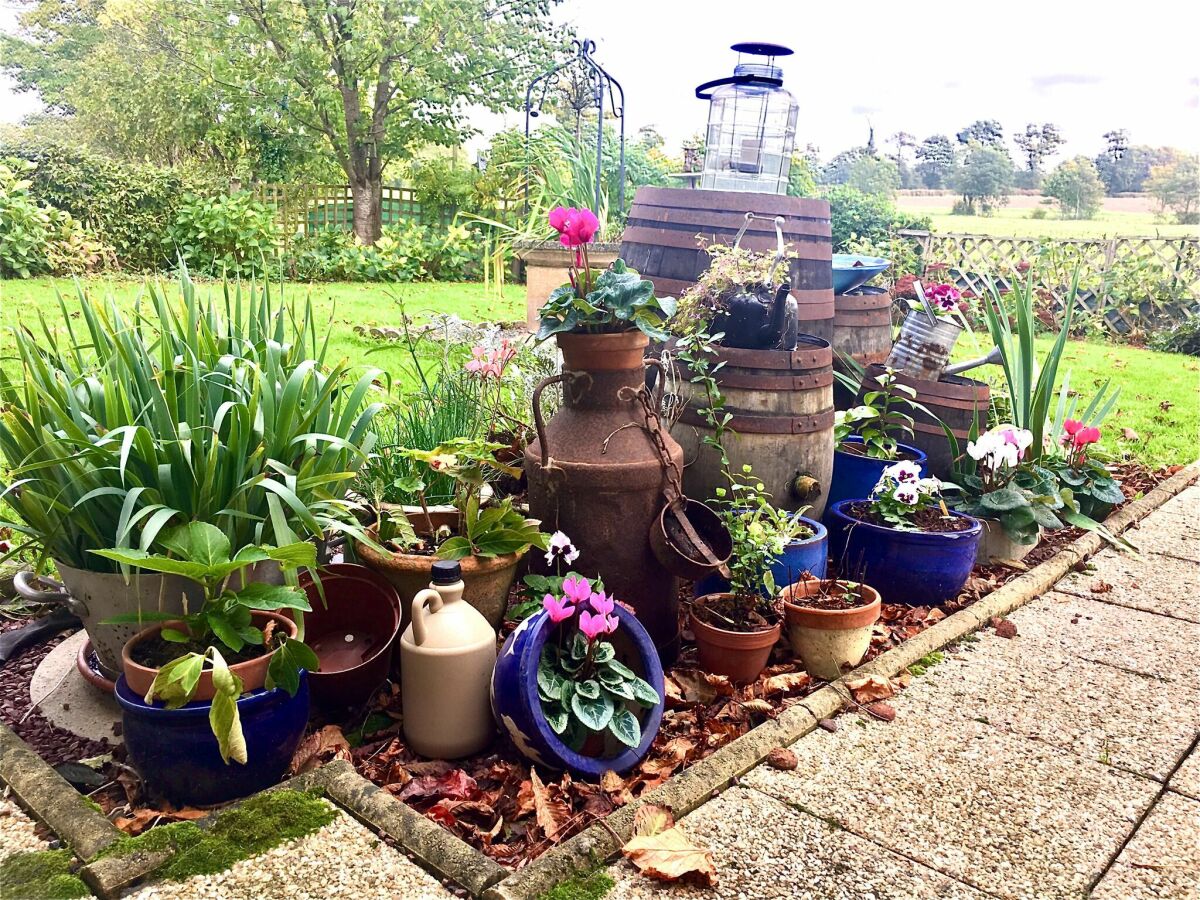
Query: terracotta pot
(996, 546)
(487, 580)
(253, 672)
(828, 641)
(602, 352)
(740, 655)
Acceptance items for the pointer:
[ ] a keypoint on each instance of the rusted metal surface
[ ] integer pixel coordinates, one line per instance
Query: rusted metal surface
(595, 474)
(923, 348)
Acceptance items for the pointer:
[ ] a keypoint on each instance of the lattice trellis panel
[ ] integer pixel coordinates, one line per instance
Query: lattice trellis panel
(303, 208)
(1132, 282)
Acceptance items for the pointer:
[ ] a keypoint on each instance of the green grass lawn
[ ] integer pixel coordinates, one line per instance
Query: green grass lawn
(1160, 400)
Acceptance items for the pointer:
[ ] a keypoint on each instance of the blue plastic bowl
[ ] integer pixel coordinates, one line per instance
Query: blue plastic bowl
(854, 476)
(809, 555)
(518, 709)
(915, 568)
(847, 276)
(176, 754)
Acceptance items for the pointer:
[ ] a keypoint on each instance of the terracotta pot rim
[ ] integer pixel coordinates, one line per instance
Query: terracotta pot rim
(415, 562)
(623, 340)
(748, 640)
(240, 669)
(830, 619)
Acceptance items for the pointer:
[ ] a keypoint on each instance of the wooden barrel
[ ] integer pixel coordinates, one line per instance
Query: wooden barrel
(668, 227)
(862, 325)
(781, 408)
(957, 401)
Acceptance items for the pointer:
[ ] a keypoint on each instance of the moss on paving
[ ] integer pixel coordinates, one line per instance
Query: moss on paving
(249, 829)
(591, 886)
(40, 875)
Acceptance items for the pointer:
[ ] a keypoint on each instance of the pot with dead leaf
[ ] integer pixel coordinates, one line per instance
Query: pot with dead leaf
(487, 542)
(215, 704)
(736, 629)
(829, 622)
(578, 685)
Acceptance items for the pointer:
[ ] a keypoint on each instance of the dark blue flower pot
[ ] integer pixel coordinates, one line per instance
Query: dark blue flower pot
(854, 477)
(176, 754)
(809, 555)
(518, 709)
(915, 568)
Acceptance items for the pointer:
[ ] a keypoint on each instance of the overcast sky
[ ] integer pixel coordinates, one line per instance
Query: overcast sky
(921, 67)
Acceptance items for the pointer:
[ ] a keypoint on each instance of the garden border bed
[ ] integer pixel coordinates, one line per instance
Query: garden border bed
(51, 800)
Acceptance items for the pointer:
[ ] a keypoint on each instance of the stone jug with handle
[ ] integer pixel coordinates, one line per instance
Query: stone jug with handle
(447, 655)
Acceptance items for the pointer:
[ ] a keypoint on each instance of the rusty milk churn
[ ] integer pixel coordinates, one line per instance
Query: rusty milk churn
(596, 473)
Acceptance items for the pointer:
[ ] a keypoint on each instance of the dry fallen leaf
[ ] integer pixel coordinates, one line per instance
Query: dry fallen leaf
(782, 758)
(662, 850)
(1130, 435)
(791, 681)
(870, 687)
(686, 686)
(551, 814)
(881, 710)
(1101, 587)
(762, 707)
(143, 818)
(319, 748)
(611, 782)
(1004, 628)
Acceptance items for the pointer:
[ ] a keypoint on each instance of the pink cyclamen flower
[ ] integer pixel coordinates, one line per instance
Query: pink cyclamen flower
(558, 609)
(575, 227)
(1087, 436)
(593, 624)
(1072, 427)
(577, 589)
(602, 603)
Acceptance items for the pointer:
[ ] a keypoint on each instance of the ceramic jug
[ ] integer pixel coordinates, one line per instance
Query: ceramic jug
(447, 655)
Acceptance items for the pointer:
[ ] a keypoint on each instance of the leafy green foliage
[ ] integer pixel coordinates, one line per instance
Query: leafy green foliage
(985, 178)
(405, 252)
(225, 235)
(619, 300)
(584, 690)
(1173, 184)
(1181, 338)
(879, 419)
(855, 215)
(1077, 187)
(220, 411)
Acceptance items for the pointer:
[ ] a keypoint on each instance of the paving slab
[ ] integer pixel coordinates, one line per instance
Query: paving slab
(1096, 711)
(1015, 817)
(1184, 505)
(1151, 582)
(1114, 635)
(338, 862)
(766, 850)
(1173, 535)
(1162, 860)
(1187, 779)
(67, 700)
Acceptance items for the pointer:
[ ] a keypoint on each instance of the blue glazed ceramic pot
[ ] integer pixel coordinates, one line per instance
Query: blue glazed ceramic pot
(518, 710)
(175, 752)
(916, 568)
(809, 555)
(854, 476)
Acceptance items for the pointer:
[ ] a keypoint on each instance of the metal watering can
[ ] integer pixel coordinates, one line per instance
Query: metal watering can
(926, 341)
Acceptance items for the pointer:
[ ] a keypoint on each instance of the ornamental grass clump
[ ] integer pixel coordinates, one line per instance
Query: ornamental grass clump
(220, 410)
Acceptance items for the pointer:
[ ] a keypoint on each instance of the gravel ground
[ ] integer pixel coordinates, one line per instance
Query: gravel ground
(17, 831)
(1149, 582)
(341, 860)
(53, 744)
(1162, 862)
(1187, 779)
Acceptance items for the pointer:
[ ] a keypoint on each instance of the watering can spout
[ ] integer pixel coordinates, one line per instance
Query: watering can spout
(993, 358)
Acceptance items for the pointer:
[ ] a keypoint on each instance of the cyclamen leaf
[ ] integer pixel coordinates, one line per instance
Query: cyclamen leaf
(644, 692)
(549, 684)
(589, 690)
(619, 668)
(603, 652)
(626, 728)
(595, 714)
(556, 717)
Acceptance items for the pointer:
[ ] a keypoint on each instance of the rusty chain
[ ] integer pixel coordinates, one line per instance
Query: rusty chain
(653, 427)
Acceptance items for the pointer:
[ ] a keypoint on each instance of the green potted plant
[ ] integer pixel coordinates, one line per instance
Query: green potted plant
(136, 420)
(739, 297)
(1093, 487)
(736, 629)
(866, 438)
(487, 541)
(222, 655)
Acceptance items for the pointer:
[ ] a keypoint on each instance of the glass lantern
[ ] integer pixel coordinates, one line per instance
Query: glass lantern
(751, 125)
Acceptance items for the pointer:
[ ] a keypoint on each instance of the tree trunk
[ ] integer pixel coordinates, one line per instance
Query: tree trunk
(368, 203)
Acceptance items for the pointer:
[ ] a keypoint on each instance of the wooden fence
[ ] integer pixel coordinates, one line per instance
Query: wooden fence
(1131, 282)
(304, 208)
